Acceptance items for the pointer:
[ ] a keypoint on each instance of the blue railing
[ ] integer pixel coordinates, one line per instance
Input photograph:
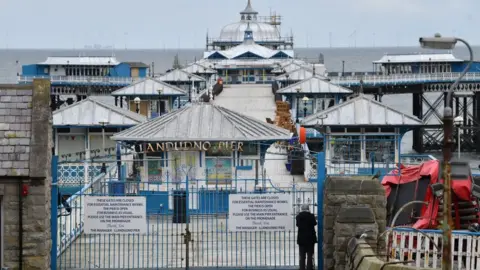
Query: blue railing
(70, 225)
(170, 206)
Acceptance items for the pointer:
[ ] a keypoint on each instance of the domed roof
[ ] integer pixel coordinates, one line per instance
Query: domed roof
(261, 31)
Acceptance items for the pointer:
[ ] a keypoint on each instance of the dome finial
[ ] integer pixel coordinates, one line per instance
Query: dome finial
(248, 9)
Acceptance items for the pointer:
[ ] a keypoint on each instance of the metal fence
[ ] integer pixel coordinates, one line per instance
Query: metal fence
(187, 224)
(423, 248)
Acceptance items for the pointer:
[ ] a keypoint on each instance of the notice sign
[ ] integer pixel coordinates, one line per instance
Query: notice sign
(260, 212)
(115, 215)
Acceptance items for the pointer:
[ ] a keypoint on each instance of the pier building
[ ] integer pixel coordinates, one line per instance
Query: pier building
(312, 95)
(266, 31)
(359, 132)
(81, 133)
(150, 97)
(75, 78)
(210, 145)
(427, 77)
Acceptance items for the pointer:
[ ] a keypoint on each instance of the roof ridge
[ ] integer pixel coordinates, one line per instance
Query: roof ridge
(346, 103)
(253, 119)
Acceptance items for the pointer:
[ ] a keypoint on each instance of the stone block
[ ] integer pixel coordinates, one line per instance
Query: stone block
(354, 215)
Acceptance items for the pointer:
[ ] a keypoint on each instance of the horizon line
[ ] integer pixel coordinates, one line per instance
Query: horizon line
(171, 49)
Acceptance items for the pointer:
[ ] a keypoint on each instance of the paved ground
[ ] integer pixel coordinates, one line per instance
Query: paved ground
(257, 100)
(163, 246)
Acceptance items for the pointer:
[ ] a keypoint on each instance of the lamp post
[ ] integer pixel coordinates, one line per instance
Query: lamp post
(287, 76)
(447, 43)
(298, 104)
(160, 92)
(137, 104)
(305, 99)
(458, 121)
(104, 123)
(190, 89)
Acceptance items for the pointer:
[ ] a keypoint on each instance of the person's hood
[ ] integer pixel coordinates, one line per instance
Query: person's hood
(304, 215)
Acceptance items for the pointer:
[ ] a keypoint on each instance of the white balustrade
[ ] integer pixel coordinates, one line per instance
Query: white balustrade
(404, 78)
(79, 79)
(424, 248)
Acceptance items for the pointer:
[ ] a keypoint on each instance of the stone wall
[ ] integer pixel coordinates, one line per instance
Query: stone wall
(341, 193)
(25, 158)
(361, 256)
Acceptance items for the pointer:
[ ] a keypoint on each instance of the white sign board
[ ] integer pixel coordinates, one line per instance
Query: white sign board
(260, 212)
(115, 215)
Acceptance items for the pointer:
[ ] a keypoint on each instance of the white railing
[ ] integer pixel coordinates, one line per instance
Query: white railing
(70, 225)
(424, 248)
(310, 172)
(404, 78)
(80, 79)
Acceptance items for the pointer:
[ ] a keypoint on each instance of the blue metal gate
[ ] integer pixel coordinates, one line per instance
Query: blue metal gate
(187, 226)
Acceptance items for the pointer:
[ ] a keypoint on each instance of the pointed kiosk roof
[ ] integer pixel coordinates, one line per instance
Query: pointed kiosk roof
(203, 122)
(90, 112)
(149, 87)
(196, 68)
(315, 85)
(180, 75)
(296, 75)
(361, 111)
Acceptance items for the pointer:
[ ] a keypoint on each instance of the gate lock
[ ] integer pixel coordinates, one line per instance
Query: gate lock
(187, 236)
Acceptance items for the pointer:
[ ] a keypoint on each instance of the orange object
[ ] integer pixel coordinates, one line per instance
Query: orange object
(302, 137)
(220, 81)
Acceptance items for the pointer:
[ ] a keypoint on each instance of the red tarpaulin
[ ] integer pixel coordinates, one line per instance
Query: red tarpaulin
(461, 188)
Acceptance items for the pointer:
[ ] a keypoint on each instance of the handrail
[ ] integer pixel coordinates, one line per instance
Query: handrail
(78, 79)
(70, 227)
(404, 78)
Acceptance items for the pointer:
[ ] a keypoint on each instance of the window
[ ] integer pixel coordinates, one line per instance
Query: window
(305, 107)
(250, 149)
(380, 148)
(216, 151)
(345, 149)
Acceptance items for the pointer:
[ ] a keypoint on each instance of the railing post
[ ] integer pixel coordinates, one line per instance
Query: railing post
(54, 213)
(321, 175)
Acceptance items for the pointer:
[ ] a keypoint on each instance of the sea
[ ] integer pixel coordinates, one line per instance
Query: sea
(354, 59)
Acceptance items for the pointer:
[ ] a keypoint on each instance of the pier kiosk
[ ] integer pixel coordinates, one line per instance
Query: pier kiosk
(206, 149)
(183, 80)
(361, 135)
(149, 97)
(82, 135)
(312, 95)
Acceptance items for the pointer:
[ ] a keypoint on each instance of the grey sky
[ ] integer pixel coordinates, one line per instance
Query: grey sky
(184, 23)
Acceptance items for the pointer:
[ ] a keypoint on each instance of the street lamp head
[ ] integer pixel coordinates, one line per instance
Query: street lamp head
(298, 89)
(305, 99)
(438, 42)
(458, 121)
(136, 100)
(160, 91)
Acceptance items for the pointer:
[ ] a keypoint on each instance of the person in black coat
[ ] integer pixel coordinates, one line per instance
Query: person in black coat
(306, 236)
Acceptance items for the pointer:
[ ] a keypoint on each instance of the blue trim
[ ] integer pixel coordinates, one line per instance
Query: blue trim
(53, 217)
(320, 186)
(244, 168)
(200, 158)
